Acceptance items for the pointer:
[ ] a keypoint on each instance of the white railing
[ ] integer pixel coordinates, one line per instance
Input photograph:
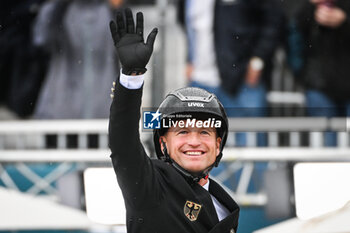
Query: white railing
(32, 134)
(25, 142)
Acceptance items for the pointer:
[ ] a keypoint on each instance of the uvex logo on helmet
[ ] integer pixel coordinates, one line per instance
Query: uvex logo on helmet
(195, 104)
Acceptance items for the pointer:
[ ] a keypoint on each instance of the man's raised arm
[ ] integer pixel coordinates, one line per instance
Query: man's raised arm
(128, 156)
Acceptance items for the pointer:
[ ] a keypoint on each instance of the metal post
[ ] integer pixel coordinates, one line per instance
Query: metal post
(159, 65)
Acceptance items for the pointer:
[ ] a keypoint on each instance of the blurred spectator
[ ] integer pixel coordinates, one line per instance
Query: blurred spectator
(82, 65)
(231, 44)
(22, 65)
(323, 51)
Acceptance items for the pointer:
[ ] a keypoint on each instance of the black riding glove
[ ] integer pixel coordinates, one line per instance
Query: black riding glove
(133, 53)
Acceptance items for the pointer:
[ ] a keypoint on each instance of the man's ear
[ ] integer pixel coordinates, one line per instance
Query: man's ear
(218, 143)
(162, 140)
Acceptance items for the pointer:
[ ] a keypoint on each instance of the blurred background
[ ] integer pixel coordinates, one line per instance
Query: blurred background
(280, 68)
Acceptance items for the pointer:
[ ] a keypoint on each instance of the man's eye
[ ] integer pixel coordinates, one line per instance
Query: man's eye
(182, 132)
(205, 132)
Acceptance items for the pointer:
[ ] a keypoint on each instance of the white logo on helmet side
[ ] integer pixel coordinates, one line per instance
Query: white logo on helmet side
(195, 104)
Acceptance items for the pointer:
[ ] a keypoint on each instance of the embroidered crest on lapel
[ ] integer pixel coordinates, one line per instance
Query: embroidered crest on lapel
(191, 210)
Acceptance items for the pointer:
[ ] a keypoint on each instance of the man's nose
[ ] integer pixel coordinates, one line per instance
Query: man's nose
(194, 139)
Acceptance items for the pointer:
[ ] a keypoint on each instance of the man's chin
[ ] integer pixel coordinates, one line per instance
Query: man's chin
(195, 170)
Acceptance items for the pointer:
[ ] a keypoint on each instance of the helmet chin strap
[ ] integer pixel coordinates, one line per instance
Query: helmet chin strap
(190, 176)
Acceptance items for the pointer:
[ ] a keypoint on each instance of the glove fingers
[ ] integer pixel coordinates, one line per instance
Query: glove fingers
(114, 32)
(121, 26)
(139, 24)
(151, 37)
(130, 26)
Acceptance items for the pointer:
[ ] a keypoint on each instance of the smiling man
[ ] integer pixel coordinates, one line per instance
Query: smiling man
(171, 194)
(193, 149)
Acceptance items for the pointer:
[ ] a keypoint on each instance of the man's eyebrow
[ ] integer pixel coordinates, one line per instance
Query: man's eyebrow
(208, 129)
(176, 129)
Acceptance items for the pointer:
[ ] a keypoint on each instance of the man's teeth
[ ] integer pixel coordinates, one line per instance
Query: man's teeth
(193, 153)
